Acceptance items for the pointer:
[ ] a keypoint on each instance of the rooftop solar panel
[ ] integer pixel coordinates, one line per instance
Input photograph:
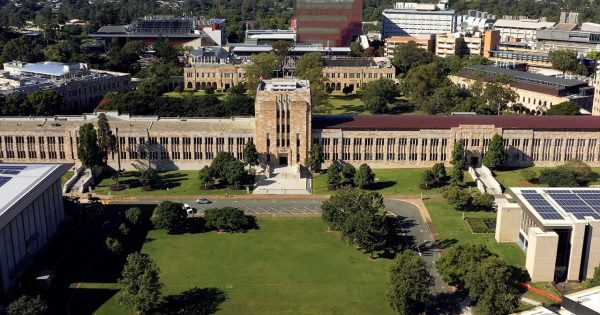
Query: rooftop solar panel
(528, 191)
(4, 180)
(12, 167)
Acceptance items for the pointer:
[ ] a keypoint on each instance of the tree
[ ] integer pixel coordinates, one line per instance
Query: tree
(439, 173)
(364, 177)
(315, 158)
(88, 151)
(310, 67)
(45, 103)
(356, 49)
(457, 197)
(409, 55)
(134, 216)
(27, 305)
(140, 284)
(460, 260)
(428, 179)
(347, 89)
(483, 201)
(227, 219)
(114, 246)
(444, 99)
(564, 108)
(106, 140)
(170, 216)
(422, 81)
(219, 165)
(494, 156)
(492, 286)
(165, 51)
(334, 179)
(150, 179)
(458, 158)
(409, 284)
(564, 60)
(250, 154)
(457, 176)
(594, 281)
(497, 96)
(281, 49)
(583, 173)
(528, 174)
(205, 176)
(348, 173)
(378, 94)
(261, 65)
(556, 177)
(234, 173)
(365, 230)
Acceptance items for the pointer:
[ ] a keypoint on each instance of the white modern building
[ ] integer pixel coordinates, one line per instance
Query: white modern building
(410, 19)
(31, 210)
(558, 228)
(521, 29)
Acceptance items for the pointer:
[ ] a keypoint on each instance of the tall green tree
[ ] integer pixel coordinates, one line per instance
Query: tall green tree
(409, 284)
(409, 55)
(497, 96)
(492, 285)
(495, 155)
(564, 60)
(364, 177)
(106, 140)
(348, 173)
(205, 176)
(228, 219)
(315, 158)
(250, 154)
(45, 103)
(458, 158)
(169, 216)
(234, 173)
(27, 305)
(422, 81)
(261, 65)
(334, 179)
(310, 67)
(140, 284)
(460, 260)
(281, 49)
(88, 150)
(378, 94)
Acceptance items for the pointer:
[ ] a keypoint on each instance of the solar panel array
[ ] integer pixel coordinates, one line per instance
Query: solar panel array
(541, 205)
(581, 203)
(11, 169)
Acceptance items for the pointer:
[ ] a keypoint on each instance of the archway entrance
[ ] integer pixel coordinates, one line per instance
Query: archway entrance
(283, 161)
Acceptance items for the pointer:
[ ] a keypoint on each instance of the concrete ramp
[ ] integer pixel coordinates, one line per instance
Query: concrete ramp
(282, 181)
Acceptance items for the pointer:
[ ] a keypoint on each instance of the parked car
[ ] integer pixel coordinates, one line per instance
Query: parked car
(188, 209)
(202, 201)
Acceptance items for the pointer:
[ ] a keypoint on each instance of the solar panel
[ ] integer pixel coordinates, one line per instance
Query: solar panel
(528, 191)
(4, 180)
(542, 206)
(580, 203)
(11, 169)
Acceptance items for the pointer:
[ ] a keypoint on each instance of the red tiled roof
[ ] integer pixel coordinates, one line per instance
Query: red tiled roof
(416, 122)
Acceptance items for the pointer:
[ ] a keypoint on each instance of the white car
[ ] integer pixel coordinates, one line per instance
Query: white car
(188, 209)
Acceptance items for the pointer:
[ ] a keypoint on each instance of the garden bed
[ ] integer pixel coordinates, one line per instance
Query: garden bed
(481, 225)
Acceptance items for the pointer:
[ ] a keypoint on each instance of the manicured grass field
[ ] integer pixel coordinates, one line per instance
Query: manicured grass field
(218, 94)
(288, 266)
(450, 227)
(179, 183)
(350, 104)
(513, 178)
(401, 181)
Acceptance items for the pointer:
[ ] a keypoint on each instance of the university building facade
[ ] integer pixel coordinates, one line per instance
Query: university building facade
(284, 129)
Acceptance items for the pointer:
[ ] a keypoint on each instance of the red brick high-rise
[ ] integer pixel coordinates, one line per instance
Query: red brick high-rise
(333, 22)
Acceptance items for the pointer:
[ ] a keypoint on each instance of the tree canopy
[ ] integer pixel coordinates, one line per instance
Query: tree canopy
(314, 160)
(140, 284)
(408, 56)
(564, 108)
(364, 177)
(564, 60)
(27, 305)
(261, 65)
(88, 150)
(170, 216)
(227, 219)
(378, 94)
(495, 155)
(409, 284)
(310, 67)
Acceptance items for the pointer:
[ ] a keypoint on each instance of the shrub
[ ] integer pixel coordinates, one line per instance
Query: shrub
(228, 219)
(114, 246)
(334, 179)
(348, 173)
(557, 177)
(134, 216)
(124, 229)
(528, 174)
(364, 177)
(428, 178)
(457, 197)
(26, 305)
(482, 201)
(583, 173)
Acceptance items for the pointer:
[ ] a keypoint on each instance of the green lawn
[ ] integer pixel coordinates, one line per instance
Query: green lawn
(513, 178)
(350, 104)
(66, 177)
(218, 94)
(402, 181)
(288, 266)
(179, 183)
(450, 227)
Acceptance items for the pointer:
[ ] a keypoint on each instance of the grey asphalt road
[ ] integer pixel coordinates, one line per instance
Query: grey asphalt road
(415, 231)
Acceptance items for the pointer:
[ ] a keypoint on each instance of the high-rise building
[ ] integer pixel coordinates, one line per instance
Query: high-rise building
(329, 22)
(411, 19)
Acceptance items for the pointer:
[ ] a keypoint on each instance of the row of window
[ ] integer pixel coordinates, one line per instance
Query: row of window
(357, 75)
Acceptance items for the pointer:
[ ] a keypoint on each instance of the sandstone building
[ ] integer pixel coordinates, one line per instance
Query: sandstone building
(283, 130)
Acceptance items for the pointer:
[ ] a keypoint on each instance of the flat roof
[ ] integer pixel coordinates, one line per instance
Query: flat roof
(18, 180)
(526, 77)
(559, 206)
(418, 122)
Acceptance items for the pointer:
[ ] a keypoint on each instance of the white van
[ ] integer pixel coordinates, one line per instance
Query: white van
(188, 209)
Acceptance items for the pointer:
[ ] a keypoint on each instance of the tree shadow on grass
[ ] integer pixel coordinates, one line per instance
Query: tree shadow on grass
(173, 180)
(444, 303)
(428, 247)
(381, 185)
(196, 301)
(89, 300)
